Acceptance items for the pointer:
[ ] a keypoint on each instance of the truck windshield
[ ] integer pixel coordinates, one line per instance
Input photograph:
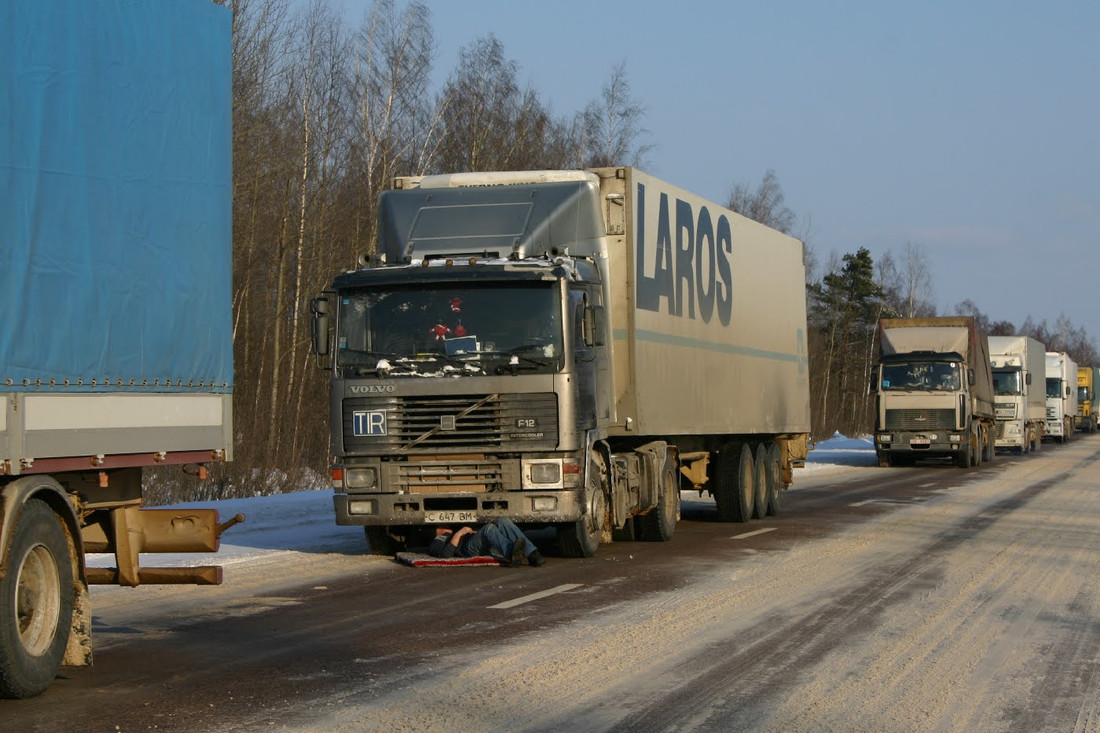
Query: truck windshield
(465, 329)
(1054, 387)
(1084, 394)
(1007, 383)
(922, 375)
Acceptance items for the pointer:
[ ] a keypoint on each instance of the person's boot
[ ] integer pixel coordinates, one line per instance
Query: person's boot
(517, 553)
(535, 559)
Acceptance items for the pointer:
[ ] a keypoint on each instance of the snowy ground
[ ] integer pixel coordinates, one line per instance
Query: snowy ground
(303, 521)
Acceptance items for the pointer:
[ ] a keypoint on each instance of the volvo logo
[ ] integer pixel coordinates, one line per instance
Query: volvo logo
(369, 388)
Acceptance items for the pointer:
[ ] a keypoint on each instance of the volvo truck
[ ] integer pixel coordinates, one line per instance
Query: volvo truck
(935, 392)
(566, 349)
(116, 348)
(1019, 386)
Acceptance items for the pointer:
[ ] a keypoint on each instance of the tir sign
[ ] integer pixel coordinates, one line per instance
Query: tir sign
(368, 423)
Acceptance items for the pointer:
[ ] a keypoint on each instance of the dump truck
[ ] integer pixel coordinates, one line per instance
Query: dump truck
(1088, 378)
(116, 347)
(934, 392)
(1061, 395)
(567, 349)
(1019, 386)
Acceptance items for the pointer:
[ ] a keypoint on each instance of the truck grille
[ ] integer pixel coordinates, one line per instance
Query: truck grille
(451, 423)
(916, 420)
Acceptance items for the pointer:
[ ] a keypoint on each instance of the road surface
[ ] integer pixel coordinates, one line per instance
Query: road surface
(907, 599)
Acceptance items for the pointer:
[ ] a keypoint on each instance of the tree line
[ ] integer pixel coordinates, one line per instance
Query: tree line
(326, 112)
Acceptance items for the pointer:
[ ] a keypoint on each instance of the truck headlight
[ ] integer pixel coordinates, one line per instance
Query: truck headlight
(885, 438)
(542, 473)
(360, 478)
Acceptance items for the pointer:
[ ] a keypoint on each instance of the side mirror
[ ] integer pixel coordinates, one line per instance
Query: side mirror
(1067, 390)
(594, 326)
(318, 309)
(1027, 378)
(873, 380)
(971, 376)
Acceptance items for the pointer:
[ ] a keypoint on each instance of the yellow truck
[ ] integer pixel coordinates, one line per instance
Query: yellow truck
(1087, 379)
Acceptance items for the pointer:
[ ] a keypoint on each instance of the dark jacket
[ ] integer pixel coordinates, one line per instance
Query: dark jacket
(441, 546)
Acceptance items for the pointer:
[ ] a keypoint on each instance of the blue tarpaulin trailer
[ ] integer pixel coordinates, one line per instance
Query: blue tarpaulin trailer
(116, 345)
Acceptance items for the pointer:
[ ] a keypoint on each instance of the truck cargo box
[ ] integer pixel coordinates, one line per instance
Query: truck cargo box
(709, 313)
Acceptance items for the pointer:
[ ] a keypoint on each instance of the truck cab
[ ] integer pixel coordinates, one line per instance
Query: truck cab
(469, 365)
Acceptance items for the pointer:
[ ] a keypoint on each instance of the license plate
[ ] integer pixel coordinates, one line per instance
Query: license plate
(451, 517)
(920, 442)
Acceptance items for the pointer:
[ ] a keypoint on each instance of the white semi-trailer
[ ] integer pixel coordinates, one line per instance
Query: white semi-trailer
(1061, 374)
(1019, 386)
(567, 349)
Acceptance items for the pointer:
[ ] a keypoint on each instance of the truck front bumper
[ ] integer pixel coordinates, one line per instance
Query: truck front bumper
(938, 443)
(407, 509)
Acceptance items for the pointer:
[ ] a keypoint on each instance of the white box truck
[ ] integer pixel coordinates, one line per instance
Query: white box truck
(116, 349)
(1061, 395)
(566, 349)
(1019, 386)
(935, 392)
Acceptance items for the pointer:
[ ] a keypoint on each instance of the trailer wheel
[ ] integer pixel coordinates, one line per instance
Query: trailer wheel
(660, 523)
(380, 541)
(733, 485)
(774, 478)
(36, 602)
(582, 538)
(760, 482)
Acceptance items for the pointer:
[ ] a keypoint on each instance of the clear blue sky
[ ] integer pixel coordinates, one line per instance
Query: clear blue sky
(966, 128)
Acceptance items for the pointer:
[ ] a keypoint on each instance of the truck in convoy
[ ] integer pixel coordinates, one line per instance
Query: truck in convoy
(1061, 395)
(1088, 378)
(935, 392)
(1019, 386)
(566, 349)
(116, 344)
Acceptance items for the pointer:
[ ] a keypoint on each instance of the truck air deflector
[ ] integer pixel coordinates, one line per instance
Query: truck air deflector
(507, 222)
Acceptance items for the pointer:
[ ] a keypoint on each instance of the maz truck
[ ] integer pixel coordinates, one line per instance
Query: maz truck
(935, 392)
(1088, 378)
(1061, 395)
(1019, 386)
(116, 348)
(566, 349)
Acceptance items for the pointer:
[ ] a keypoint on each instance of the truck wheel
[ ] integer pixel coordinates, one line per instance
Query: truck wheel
(962, 458)
(627, 533)
(742, 508)
(582, 538)
(380, 541)
(660, 523)
(760, 482)
(724, 482)
(774, 478)
(36, 603)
